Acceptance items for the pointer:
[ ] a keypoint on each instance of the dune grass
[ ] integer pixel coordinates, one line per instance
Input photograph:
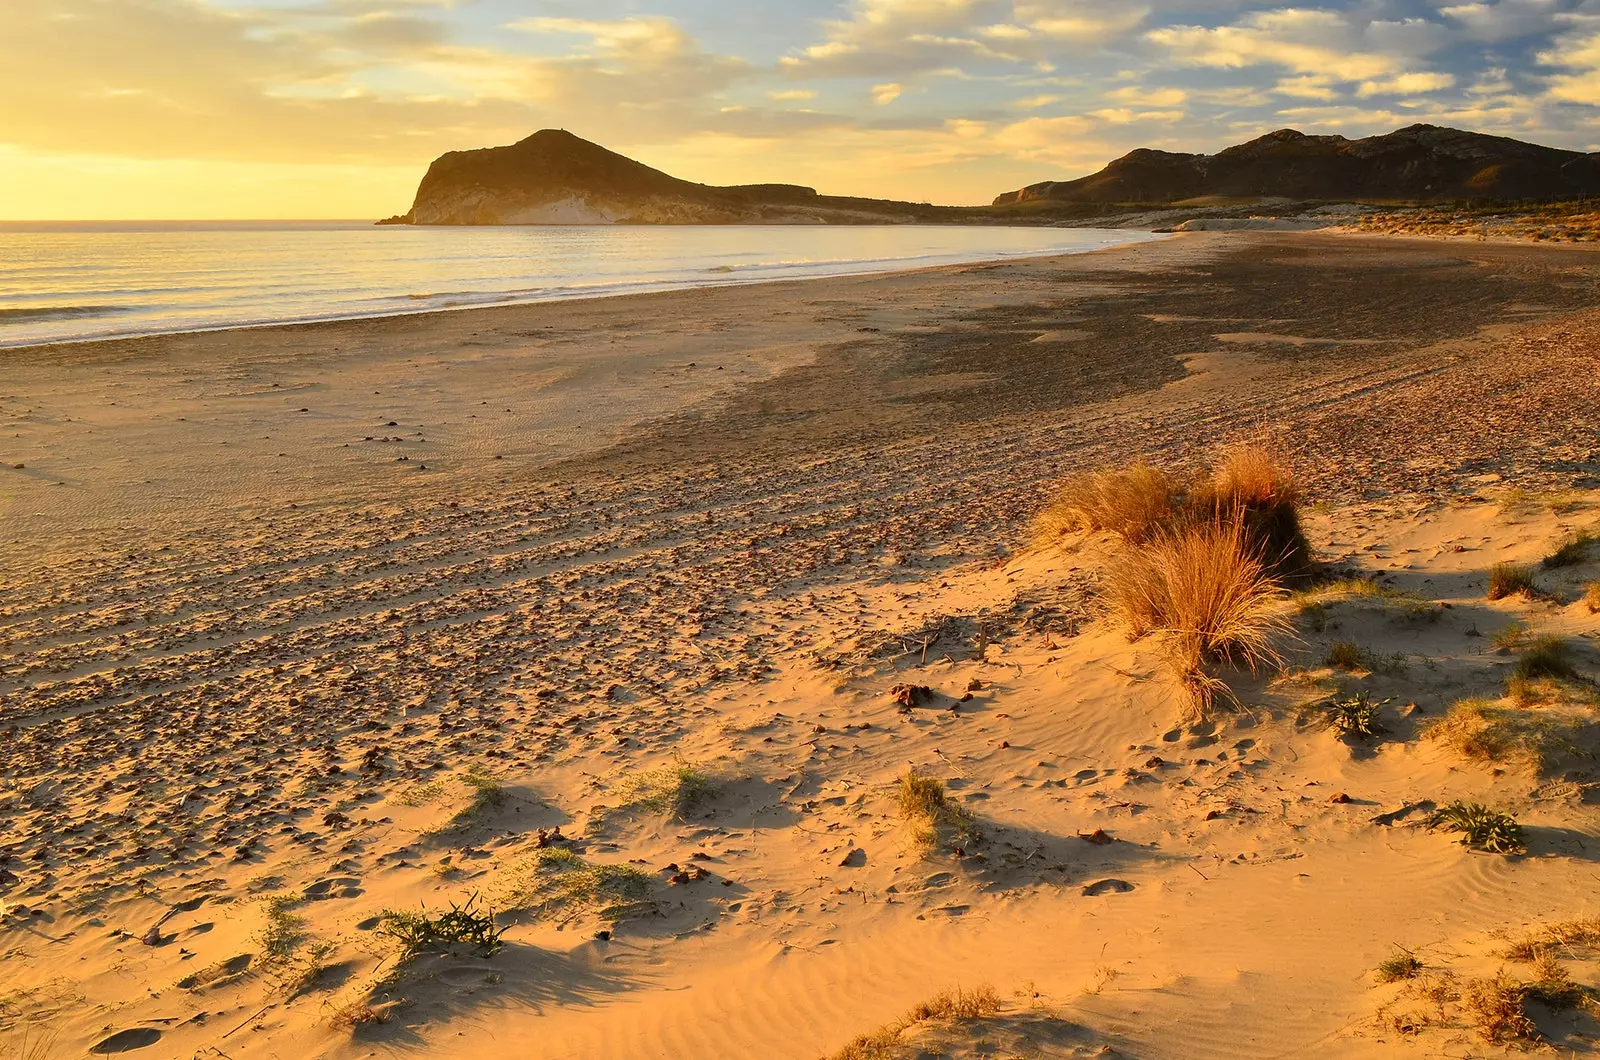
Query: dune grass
(932, 817)
(952, 1006)
(1209, 552)
(1573, 550)
(1546, 656)
(1247, 485)
(1136, 503)
(1539, 722)
(1512, 579)
(558, 881)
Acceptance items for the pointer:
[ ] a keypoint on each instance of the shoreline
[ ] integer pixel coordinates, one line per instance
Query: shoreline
(620, 290)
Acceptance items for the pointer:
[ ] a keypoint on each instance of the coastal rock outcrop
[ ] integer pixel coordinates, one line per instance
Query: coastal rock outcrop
(554, 177)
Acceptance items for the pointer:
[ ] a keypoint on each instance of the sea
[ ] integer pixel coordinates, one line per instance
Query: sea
(76, 281)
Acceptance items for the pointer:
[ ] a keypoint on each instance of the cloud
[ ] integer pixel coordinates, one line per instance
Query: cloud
(1406, 85)
(1505, 20)
(1578, 53)
(883, 95)
(1305, 41)
(329, 84)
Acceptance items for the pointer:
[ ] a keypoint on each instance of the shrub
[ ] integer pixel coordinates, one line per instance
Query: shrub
(1496, 1008)
(558, 880)
(463, 924)
(1572, 551)
(1212, 600)
(1357, 715)
(1511, 579)
(950, 1006)
(931, 815)
(1547, 656)
(1141, 504)
(1591, 597)
(1481, 828)
(1402, 964)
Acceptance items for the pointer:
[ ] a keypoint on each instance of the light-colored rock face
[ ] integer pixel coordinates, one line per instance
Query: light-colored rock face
(571, 211)
(478, 208)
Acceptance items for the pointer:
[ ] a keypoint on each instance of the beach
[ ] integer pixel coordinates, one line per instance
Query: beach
(303, 624)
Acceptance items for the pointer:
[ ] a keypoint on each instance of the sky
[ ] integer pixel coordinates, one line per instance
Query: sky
(334, 108)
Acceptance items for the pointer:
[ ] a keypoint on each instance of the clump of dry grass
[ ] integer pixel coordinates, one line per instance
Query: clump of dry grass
(949, 1007)
(1537, 727)
(1564, 934)
(1511, 579)
(1547, 656)
(1591, 597)
(931, 815)
(1211, 599)
(1402, 964)
(1209, 550)
(1496, 1009)
(1135, 503)
(1247, 485)
(1572, 551)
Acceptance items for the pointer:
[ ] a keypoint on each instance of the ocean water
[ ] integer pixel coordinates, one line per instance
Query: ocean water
(71, 281)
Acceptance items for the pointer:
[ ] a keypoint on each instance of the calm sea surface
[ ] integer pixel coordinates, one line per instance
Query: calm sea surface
(70, 280)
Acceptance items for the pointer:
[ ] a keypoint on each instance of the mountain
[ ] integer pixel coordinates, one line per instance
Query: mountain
(554, 177)
(1417, 164)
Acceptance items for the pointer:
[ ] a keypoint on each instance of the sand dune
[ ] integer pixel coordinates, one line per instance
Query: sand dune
(250, 706)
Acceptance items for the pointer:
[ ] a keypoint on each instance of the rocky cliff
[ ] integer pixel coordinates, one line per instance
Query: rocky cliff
(1422, 163)
(554, 177)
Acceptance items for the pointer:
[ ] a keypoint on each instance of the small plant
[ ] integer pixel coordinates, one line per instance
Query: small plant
(462, 924)
(1547, 656)
(1357, 715)
(1402, 964)
(1487, 731)
(1351, 657)
(1591, 597)
(559, 880)
(951, 1006)
(356, 1013)
(1208, 597)
(284, 931)
(1511, 637)
(1572, 551)
(1481, 828)
(299, 974)
(678, 789)
(1496, 1009)
(929, 812)
(1346, 655)
(1511, 579)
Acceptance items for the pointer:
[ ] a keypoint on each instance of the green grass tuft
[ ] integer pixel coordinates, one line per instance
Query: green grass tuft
(1480, 827)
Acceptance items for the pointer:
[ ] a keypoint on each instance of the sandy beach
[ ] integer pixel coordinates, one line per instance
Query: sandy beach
(592, 614)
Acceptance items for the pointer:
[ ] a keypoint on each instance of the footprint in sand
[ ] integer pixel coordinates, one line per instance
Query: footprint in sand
(127, 1041)
(217, 974)
(1108, 886)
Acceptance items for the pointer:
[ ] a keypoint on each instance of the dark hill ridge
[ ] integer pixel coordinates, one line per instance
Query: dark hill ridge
(1420, 163)
(554, 177)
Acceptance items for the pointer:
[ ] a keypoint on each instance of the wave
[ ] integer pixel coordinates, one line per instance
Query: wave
(28, 314)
